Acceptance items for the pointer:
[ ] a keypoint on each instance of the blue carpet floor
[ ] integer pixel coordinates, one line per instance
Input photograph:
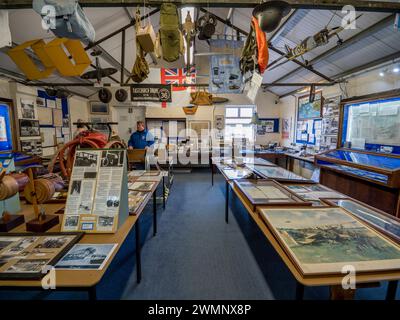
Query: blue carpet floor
(196, 255)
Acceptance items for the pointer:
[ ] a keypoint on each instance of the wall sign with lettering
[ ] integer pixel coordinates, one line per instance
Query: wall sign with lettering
(151, 92)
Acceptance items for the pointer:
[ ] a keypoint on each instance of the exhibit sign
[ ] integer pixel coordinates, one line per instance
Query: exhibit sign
(151, 92)
(98, 196)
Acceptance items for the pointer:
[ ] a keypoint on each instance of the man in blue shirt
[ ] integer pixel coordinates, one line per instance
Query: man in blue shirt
(141, 139)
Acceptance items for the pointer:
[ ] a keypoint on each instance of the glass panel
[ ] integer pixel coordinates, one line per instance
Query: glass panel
(246, 112)
(237, 121)
(232, 112)
(374, 123)
(366, 159)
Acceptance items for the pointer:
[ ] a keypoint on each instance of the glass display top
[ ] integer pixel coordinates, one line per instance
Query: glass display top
(371, 160)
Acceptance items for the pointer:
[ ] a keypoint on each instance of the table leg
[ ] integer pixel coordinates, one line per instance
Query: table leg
(138, 252)
(299, 291)
(391, 290)
(338, 293)
(163, 191)
(154, 212)
(226, 201)
(212, 174)
(92, 294)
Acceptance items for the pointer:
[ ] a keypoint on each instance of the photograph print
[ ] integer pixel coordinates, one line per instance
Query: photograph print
(86, 159)
(87, 256)
(55, 242)
(112, 158)
(27, 266)
(323, 240)
(75, 187)
(27, 109)
(29, 128)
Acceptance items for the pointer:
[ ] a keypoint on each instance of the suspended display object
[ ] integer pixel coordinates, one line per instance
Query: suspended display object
(270, 14)
(99, 73)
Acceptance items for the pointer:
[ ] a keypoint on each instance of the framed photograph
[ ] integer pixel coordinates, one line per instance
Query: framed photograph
(377, 219)
(309, 110)
(268, 193)
(25, 256)
(145, 186)
(277, 173)
(32, 147)
(99, 108)
(28, 109)
(313, 192)
(236, 173)
(87, 257)
(321, 241)
(29, 128)
(135, 200)
(41, 102)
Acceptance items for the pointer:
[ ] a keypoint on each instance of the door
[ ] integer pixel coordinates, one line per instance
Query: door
(127, 118)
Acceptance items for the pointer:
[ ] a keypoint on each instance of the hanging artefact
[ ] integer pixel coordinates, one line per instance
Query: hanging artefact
(206, 26)
(25, 62)
(121, 95)
(67, 67)
(169, 42)
(100, 72)
(65, 20)
(270, 14)
(53, 55)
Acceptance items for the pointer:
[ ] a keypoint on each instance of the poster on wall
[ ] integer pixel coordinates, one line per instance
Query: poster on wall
(151, 92)
(285, 128)
(309, 110)
(267, 126)
(5, 129)
(27, 109)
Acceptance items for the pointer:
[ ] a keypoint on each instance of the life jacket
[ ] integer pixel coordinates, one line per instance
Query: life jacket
(262, 45)
(169, 42)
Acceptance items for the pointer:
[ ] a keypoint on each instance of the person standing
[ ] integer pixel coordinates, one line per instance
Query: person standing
(141, 139)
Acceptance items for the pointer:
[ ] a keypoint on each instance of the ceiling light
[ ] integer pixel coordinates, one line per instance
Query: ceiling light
(382, 74)
(396, 69)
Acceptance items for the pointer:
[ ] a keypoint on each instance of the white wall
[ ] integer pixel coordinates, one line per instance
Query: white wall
(78, 109)
(367, 83)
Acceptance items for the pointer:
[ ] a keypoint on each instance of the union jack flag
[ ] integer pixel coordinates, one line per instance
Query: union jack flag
(176, 76)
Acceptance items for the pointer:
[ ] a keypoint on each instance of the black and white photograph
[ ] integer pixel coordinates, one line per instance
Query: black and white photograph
(27, 265)
(112, 202)
(75, 187)
(40, 102)
(85, 159)
(105, 221)
(6, 241)
(32, 147)
(27, 109)
(146, 186)
(71, 221)
(112, 158)
(54, 242)
(20, 246)
(29, 128)
(90, 175)
(87, 256)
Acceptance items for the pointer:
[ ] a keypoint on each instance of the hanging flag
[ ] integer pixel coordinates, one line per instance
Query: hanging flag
(174, 76)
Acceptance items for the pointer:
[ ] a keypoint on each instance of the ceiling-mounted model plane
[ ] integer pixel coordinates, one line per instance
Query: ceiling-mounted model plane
(320, 39)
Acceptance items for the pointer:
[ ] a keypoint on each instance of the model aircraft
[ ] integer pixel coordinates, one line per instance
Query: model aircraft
(320, 39)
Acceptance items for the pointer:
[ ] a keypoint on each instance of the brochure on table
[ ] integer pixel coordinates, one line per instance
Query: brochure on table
(98, 195)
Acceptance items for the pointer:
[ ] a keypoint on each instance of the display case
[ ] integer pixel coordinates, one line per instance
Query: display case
(366, 163)
(268, 193)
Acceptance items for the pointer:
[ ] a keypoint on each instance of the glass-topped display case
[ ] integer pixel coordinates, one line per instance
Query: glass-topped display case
(366, 163)
(377, 167)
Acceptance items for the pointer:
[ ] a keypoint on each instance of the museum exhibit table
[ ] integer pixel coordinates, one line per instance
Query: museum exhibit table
(371, 177)
(86, 280)
(334, 281)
